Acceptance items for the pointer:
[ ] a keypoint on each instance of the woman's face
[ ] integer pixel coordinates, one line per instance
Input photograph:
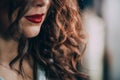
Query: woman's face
(33, 19)
(31, 22)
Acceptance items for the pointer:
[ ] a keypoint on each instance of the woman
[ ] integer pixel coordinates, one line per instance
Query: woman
(39, 40)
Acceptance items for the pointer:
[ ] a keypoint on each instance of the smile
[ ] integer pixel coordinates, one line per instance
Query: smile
(36, 18)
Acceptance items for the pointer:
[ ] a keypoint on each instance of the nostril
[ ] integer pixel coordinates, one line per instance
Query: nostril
(38, 3)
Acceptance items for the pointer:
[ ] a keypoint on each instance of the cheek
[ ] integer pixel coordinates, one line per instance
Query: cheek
(48, 2)
(29, 29)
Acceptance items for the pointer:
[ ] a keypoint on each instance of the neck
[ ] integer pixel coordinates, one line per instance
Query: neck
(8, 50)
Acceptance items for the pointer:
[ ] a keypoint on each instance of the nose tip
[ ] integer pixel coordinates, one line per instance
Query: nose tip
(38, 3)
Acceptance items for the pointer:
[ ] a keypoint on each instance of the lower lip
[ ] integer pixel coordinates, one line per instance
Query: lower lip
(35, 18)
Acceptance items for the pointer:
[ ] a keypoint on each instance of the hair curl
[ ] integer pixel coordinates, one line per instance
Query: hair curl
(60, 44)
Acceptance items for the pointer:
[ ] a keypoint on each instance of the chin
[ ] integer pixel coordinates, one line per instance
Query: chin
(31, 33)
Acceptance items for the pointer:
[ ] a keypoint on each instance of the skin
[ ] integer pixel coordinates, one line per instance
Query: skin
(8, 49)
(32, 29)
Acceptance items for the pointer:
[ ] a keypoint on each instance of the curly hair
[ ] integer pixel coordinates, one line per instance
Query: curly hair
(60, 44)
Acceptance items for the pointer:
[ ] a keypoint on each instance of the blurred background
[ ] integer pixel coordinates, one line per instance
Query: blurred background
(101, 20)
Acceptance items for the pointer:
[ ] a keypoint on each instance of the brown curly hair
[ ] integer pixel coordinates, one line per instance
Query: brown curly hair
(60, 44)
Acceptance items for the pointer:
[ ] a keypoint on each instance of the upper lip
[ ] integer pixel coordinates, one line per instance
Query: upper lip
(35, 15)
(35, 18)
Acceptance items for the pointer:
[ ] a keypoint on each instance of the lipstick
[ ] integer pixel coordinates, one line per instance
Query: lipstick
(36, 18)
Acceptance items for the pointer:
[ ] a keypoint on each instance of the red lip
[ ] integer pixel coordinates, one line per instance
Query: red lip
(36, 18)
